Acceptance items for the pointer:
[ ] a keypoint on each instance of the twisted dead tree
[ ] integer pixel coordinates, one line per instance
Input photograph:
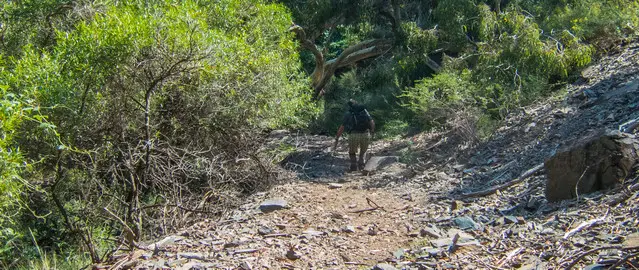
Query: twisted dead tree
(325, 69)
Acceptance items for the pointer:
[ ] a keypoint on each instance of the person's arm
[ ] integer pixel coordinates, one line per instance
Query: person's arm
(371, 123)
(340, 130)
(372, 126)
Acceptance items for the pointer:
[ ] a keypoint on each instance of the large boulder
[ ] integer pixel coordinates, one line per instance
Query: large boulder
(594, 163)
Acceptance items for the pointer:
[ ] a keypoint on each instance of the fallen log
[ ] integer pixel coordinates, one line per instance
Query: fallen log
(519, 179)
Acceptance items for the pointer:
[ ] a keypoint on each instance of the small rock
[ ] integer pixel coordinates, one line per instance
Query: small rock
(167, 241)
(348, 229)
(631, 241)
(293, 255)
(432, 232)
(191, 255)
(456, 205)
(579, 242)
(175, 263)
(521, 220)
(500, 221)
(372, 231)
(193, 266)
(510, 219)
(273, 205)
(548, 231)
(245, 266)
(433, 252)
(335, 185)
(442, 242)
(465, 223)
(398, 254)
(383, 266)
(263, 230)
(448, 266)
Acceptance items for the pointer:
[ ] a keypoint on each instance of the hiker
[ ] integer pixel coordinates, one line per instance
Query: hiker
(357, 122)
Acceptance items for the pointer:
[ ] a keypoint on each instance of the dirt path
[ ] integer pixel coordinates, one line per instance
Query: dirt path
(325, 226)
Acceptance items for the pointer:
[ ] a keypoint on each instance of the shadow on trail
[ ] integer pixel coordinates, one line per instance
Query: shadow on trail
(316, 166)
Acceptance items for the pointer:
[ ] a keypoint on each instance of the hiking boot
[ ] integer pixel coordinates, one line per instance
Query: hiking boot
(353, 168)
(353, 159)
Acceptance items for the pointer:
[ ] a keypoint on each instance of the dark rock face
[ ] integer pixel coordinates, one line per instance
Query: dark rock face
(597, 162)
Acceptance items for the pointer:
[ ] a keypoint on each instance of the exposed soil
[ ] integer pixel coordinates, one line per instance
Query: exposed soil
(514, 228)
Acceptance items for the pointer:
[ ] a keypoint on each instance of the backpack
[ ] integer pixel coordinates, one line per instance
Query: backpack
(359, 119)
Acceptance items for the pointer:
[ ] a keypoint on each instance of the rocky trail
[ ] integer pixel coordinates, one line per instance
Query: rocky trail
(418, 209)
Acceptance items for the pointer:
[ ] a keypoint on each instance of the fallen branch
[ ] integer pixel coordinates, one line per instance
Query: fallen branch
(585, 225)
(373, 207)
(623, 260)
(575, 261)
(244, 251)
(354, 263)
(624, 196)
(277, 235)
(442, 140)
(510, 256)
(630, 126)
(520, 179)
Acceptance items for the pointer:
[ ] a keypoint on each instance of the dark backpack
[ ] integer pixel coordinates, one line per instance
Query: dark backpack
(359, 119)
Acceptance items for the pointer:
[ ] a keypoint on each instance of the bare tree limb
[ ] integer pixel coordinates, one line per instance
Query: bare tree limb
(324, 70)
(520, 179)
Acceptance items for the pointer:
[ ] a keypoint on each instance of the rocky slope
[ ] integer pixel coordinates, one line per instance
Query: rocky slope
(418, 216)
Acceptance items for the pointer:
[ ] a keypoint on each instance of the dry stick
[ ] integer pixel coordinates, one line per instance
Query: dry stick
(629, 126)
(511, 255)
(436, 144)
(520, 179)
(579, 181)
(243, 251)
(585, 225)
(354, 263)
(277, 235)
(129, 235)
(588, 253)
(623, 260)
(373, 207)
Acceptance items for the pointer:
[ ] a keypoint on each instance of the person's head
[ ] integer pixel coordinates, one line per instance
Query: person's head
(351, 102)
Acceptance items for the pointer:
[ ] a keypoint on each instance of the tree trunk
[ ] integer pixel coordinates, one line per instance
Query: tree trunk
(324, 70)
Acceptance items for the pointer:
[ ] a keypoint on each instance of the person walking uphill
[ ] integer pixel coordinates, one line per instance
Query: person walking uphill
(357, 123)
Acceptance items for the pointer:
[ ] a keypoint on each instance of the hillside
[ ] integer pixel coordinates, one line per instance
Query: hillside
(415, 215)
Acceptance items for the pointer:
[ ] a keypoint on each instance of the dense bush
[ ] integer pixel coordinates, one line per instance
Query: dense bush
(121, 119)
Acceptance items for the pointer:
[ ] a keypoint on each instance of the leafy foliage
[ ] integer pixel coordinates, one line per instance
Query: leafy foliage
(115, 110)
